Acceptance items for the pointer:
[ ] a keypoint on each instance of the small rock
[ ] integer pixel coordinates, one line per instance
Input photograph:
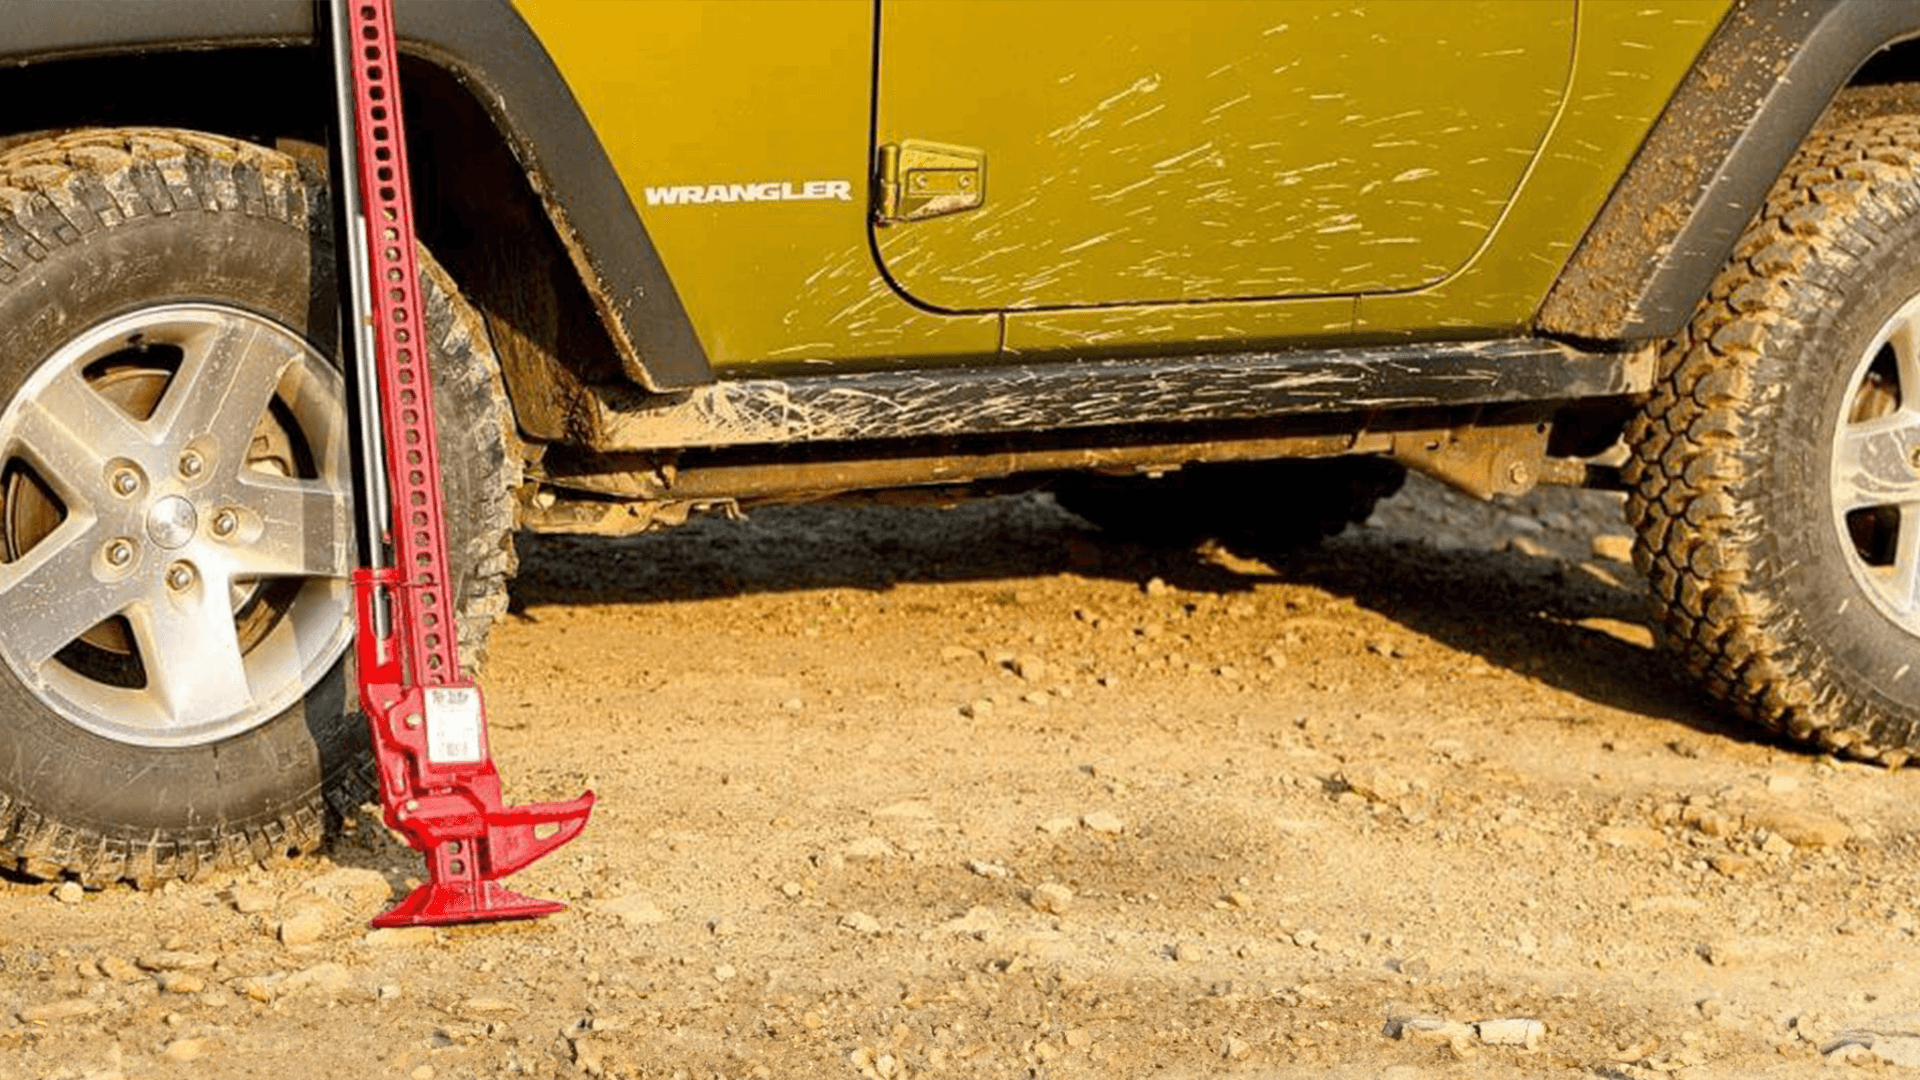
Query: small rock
(978, 922)
(791, 890)
(1235, 1048)
(988, 869)
(976, 708)
(1511, 1032)
(424, 1072)
(1803, 828)
(1054, 826)
(399, 937)
(69, 893)
(328, 978)
(1431, 1029)
(184, 1050)
(181, 982)
(1037, 697)
(1729, 865)
(250, 899)
(52, 1011)
(262, 988)
(860, 922)
(636, 910)
(302, 928)
(590, 1055)
(354, 887)
(1030, 668)
(1305, 937)
(1782, 784)
(1635, 836)
(1079, 1038)
(176, 960)
(117, 968)
(1375, 785)
(488, 1006)
(1185, 952)
(1155, 587)
(1101, 821)
(870, 849)
(1709, 821)
(958, 652)
(1528, 546)
(1613, 547)
(1777, 845)
(724, 972)
(1052, 898)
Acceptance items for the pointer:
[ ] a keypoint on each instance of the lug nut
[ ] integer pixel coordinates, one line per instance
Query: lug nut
(1913, 457)
(225, 522)
(179, 576)
(119, 553)
(191, 464)
(125, 482)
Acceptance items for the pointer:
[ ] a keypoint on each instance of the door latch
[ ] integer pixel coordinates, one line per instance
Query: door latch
(920, 180)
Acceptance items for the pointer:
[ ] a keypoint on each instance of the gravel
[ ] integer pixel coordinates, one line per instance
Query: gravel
(1444, 780)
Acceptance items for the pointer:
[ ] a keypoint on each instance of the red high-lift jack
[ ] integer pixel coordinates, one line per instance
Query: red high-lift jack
(438, 784)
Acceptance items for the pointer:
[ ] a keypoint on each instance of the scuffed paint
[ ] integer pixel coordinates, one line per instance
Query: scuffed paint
(925, 404)
(1342, 153)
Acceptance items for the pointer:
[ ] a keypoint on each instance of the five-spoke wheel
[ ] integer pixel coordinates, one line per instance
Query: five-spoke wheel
(175, 524)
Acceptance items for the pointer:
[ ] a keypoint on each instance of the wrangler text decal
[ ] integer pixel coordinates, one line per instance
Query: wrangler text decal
(769, 191)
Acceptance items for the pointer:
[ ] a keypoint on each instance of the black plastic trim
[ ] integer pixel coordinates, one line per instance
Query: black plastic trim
(1756, 90)
(493, 52)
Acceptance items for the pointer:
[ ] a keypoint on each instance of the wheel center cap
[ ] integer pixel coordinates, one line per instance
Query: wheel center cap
(171, 522)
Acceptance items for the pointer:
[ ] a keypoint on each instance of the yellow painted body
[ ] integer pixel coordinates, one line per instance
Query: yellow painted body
(1161, 176)
(1181, 152)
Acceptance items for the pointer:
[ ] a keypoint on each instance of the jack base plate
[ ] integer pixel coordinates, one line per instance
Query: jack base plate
(451, 903)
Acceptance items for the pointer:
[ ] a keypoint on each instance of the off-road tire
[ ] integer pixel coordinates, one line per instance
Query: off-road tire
(97, 223)
(1731, 467)
(1261, 508)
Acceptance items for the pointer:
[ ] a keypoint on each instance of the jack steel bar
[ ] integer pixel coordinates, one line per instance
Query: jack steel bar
(438, 784)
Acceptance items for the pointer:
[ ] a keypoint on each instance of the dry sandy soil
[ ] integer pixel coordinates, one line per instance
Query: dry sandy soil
(897, 793)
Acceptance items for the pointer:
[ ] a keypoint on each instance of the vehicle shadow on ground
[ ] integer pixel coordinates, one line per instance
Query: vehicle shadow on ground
(1541, 617)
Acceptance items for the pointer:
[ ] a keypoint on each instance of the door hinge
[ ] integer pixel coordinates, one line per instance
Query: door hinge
(919, 180)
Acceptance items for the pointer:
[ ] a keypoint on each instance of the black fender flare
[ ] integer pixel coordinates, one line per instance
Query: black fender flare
(489, 48)
(1756, 90)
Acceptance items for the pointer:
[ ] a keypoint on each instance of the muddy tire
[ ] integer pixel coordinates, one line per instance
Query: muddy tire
(176, 524)
(1255, 508)
(1776, 469)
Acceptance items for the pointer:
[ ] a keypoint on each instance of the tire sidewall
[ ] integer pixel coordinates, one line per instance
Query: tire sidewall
(81, 779)
(1841, 636)
(79, 799)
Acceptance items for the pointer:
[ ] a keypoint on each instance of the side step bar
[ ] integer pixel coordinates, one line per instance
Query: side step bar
(1098, 393)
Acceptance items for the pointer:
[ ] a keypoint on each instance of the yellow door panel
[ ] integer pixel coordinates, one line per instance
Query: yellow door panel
(1141, 151)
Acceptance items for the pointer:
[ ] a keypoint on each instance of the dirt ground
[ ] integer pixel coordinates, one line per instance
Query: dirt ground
(893, 792)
